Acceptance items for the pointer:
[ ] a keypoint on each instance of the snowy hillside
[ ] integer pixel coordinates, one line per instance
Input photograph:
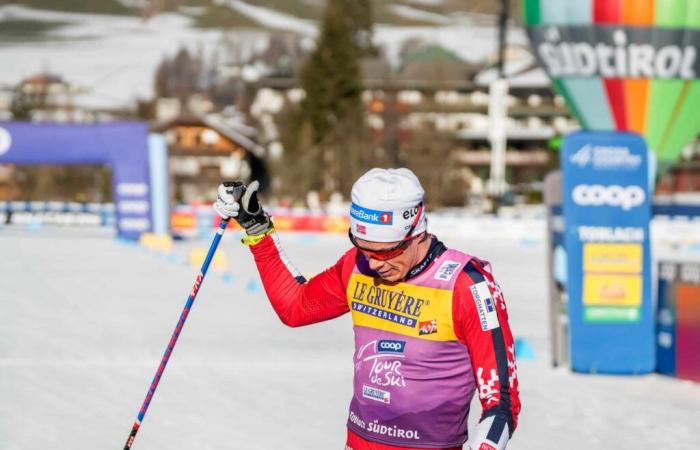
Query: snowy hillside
(114, 55)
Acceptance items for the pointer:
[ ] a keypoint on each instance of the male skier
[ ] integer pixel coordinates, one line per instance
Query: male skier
(430, 323)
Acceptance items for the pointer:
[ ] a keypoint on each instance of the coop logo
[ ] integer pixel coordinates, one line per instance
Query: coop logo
(605, 157)
(625, 197)
(5, 141)
(371, 216)
(387, 346)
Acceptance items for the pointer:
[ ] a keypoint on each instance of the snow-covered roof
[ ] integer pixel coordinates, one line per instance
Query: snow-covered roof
(520, 69)
(233, 129)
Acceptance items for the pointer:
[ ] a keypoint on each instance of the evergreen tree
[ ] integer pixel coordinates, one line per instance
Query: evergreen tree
(180, 76)
(331, 128)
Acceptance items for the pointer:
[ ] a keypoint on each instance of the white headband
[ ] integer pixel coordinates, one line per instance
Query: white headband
(386, 226)
(385, 204)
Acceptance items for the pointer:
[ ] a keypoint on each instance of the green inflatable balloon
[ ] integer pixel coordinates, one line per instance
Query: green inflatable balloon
(627, 65)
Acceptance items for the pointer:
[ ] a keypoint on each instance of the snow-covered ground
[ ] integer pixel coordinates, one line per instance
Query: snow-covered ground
(84, 320)
(115, 57)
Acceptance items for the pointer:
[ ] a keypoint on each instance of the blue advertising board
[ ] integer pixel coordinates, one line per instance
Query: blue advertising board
(666, 318)
(607, 209)
(122, 145)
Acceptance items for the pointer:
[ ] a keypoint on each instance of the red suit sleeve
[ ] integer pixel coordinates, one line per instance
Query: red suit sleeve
(297, 301)
(481, 323)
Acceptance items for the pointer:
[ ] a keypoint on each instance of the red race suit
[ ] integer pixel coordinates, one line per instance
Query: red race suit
(423, 346)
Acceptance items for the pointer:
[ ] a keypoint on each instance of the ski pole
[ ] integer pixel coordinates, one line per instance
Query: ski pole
(176, 334)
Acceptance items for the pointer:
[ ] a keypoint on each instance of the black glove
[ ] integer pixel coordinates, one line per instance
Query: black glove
(239, 201)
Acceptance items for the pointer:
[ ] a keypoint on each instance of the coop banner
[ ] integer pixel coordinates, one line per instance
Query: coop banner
(607, 209)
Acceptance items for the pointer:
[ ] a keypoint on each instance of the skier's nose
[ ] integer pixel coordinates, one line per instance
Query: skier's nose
(375, 264)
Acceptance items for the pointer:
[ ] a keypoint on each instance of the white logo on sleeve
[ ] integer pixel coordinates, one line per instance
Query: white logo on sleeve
(446, 270)
(488, 390)
(485, 307)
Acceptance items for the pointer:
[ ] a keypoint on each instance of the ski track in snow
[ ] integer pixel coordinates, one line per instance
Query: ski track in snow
(85, 320)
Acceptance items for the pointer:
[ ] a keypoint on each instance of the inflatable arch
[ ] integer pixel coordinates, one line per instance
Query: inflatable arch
(138, 161)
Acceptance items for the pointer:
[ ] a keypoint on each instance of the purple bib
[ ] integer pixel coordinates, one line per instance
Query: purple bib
(413, 379)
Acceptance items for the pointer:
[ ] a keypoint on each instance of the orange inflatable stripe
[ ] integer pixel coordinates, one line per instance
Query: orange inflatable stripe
(636, 95)
(637, 12)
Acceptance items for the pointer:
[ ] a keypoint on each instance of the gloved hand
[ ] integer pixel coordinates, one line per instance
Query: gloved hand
(238, 201)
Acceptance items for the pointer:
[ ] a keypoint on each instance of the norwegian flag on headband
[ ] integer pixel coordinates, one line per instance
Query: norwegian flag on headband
(361, 229)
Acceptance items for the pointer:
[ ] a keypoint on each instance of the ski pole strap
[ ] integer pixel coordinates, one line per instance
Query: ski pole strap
(256, 238)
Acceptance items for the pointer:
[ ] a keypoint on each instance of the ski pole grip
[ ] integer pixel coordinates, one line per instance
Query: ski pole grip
(237, 188)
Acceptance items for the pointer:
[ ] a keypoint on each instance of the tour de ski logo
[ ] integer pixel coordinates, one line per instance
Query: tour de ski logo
(379, 362)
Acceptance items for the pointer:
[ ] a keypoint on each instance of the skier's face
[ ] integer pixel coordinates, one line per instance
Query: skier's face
(394, 269)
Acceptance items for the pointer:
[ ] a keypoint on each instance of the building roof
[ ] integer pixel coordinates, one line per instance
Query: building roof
(432, 53)
(43, 79)
(520, 68)
(435, 63)
(237, 132)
